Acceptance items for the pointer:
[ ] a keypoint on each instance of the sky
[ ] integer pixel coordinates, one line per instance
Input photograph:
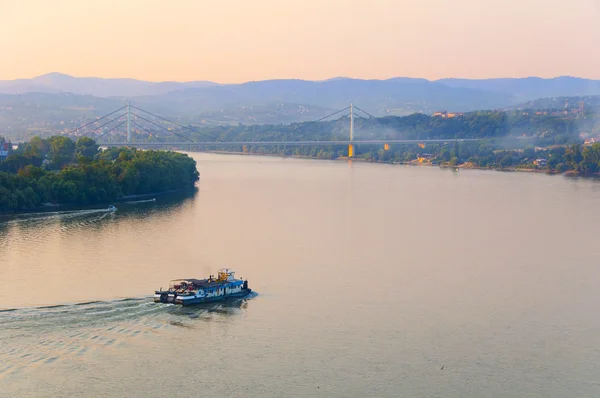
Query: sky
(233, 41)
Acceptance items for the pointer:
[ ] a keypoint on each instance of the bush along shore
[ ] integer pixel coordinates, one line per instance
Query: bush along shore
(571, 159)
(57, 170)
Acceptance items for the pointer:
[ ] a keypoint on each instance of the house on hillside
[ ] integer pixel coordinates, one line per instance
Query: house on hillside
(447, 115)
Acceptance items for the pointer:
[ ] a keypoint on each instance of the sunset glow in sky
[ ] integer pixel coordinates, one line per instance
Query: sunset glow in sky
(230, 41)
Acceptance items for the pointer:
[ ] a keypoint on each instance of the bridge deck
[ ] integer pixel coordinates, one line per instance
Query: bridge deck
(270, 143)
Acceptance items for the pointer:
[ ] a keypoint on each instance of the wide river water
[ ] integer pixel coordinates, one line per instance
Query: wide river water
(371, 281)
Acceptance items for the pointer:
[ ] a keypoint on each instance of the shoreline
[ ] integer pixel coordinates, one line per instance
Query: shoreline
(70, 206)
(51, 207)
(414, 164)
(566, 173)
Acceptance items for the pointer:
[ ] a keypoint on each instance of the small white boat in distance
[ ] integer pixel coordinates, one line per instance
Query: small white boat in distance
(112, 208)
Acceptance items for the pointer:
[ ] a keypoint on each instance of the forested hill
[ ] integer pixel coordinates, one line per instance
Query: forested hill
(550, 127)
(59, 171)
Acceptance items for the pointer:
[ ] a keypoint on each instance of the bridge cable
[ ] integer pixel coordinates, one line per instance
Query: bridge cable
(96, 120)
(177, 124)
(185, 138)
(98, 128)
(116, 127)
(365, 112)
(360, 122)
(304, 124)
(164, 128)
(147, 132)
(358, 116)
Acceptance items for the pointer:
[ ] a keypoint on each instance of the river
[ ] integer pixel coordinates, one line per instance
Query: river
(371, 281)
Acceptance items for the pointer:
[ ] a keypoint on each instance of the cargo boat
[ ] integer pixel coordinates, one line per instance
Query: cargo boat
(196, 291)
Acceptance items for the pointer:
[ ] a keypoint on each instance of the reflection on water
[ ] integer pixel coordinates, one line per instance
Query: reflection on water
(29, 228)
(163, 205)
(60, 252)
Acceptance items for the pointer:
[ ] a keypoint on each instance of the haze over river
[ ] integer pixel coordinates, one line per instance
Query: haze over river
(368, 278)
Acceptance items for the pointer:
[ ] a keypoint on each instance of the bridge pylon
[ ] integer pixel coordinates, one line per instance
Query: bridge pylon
(351, 145)
(128, 123)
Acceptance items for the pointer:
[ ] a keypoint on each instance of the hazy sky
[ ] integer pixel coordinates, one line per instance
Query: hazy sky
(232, 41)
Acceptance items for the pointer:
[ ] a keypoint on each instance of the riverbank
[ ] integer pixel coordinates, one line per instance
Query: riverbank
(162, 198)
(570, 173)
(53, 207)
(147, 195)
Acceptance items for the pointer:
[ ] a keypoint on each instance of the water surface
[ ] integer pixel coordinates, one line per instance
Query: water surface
(369, 279)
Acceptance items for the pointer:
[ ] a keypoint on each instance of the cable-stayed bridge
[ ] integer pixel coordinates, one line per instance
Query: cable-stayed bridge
(121, 127)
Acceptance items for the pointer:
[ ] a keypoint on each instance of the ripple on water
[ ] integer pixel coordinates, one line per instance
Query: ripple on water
(38, 229)
(42, 336)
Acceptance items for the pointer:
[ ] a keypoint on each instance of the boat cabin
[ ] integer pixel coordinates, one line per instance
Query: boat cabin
(226, 274)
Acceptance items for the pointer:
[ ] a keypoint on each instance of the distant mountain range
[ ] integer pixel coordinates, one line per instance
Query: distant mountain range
(270, 101)
(392, 96)
(300, 91)
(530, 88)
(98, 87)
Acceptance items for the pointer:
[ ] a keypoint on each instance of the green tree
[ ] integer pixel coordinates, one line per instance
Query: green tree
(62, 151)
(507, 161)
(529, 153)
(86, 147)
(111, 174)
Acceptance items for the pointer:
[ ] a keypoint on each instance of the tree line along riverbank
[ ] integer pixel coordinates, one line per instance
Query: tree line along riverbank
(571, 159)
(57, 170)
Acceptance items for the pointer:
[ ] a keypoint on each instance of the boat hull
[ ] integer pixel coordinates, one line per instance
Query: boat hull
(170, 298)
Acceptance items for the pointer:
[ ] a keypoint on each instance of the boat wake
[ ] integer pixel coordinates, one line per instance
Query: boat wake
(90, 312)
(133, 202)
(53, 216)
(38, 336)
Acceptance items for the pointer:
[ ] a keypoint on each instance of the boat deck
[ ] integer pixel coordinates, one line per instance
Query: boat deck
(203, 283)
